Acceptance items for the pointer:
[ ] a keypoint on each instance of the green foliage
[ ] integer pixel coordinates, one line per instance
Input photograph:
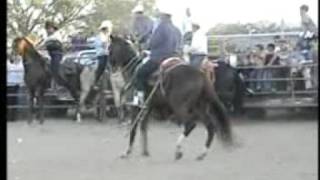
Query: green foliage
(118, 11)
(25, 16)
(258, 27)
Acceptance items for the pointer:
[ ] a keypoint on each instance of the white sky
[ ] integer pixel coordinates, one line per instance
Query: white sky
(210, 12)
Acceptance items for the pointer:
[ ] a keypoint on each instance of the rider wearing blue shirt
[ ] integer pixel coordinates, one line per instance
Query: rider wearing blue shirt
(101, 43)
(163, 44)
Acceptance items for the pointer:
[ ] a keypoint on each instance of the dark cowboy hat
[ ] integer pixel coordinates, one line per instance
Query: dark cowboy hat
(49, 24)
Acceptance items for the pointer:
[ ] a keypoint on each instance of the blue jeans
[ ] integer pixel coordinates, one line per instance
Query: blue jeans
(256, 74)
(56, 57)
(102, 63)
(196, 60)
(267, 74)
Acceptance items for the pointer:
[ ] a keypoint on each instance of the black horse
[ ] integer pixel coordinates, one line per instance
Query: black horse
(230, 87)
(38, 77)
(186, 95)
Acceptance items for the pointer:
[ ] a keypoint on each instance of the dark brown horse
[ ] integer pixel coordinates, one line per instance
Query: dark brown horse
(37, 78)
(188, 97)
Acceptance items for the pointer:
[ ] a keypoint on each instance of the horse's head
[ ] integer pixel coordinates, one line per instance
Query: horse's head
(121, 51)
(20, 46)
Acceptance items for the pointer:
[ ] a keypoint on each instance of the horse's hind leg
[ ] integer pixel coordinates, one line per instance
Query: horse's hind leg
(31, 108)
(210, 134)
(76, 97)
(40, 109)
(188, 127)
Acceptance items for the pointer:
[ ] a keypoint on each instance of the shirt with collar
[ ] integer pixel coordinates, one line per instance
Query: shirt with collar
(101, 43)
(199, 43)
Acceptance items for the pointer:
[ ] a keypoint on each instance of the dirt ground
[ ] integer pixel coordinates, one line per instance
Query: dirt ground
(277, 148)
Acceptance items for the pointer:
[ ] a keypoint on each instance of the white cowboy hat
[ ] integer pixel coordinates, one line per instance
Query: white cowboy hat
(106, 24)
(138, 8)
(165, 9)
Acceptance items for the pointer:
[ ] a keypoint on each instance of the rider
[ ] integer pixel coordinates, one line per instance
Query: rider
(53, 43)
(163, 44)
(198, 49)
(101, 43)
(142, 26)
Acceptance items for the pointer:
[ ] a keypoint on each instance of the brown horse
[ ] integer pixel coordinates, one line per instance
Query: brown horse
(37, 78)
(188, 97)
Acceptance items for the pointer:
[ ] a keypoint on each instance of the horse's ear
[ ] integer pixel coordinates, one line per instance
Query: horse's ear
(111, 37)
(114, 37)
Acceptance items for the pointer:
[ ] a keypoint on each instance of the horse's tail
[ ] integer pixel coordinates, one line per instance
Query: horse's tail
(223, 122)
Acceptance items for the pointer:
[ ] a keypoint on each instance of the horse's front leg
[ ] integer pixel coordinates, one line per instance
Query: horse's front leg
(133, 131)
(144, 136)
(78, 117)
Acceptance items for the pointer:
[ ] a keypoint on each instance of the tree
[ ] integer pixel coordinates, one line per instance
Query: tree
(27, 16)
(258, 27)
(118, 11)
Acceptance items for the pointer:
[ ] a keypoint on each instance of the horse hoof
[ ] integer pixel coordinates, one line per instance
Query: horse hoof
(124, 155)
(178, 155)
(146, 154)
(201, 157)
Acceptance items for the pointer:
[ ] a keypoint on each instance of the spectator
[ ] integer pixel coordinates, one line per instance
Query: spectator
(309, 32)
(15, 75)
(258, 60)
(271, 59)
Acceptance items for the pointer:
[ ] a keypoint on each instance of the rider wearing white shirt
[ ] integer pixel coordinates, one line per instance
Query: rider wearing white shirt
(53, 43)
(199, 48)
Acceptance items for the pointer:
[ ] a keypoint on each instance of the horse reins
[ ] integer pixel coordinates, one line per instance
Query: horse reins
(131, 63)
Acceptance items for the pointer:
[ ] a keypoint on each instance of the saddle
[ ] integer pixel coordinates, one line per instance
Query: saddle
(207, 67)
(166, 66)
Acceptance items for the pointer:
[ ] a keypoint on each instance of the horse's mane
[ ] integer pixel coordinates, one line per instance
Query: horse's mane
(32, 50)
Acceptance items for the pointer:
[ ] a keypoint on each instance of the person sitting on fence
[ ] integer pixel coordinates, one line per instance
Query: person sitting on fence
(309, 33)
(257, 59)
(271, 59)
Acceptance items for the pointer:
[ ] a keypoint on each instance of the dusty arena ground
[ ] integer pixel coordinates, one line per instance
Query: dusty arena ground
(277, 148)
